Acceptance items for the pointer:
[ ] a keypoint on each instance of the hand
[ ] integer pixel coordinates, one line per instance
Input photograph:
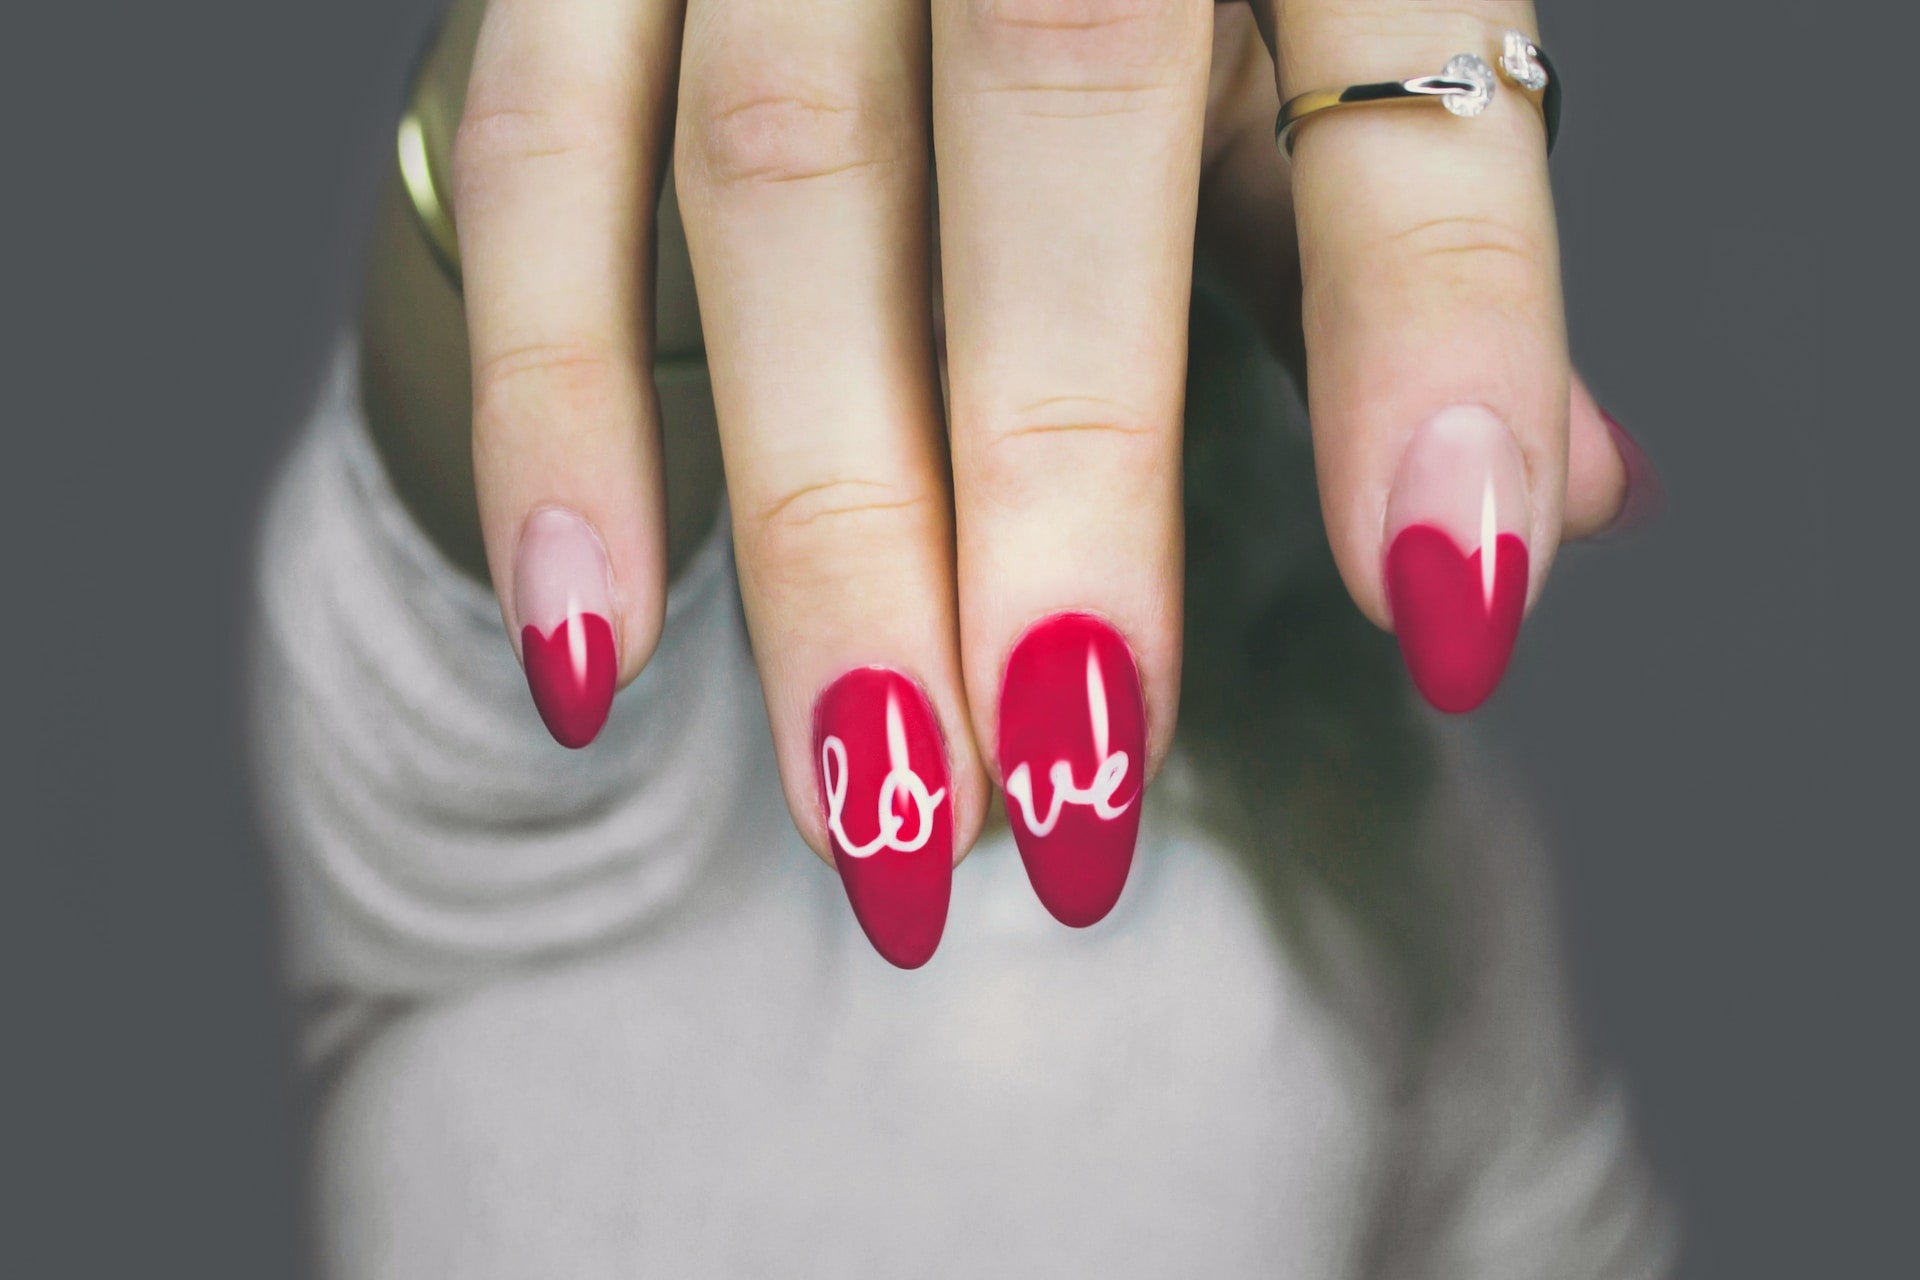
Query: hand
(999, 580)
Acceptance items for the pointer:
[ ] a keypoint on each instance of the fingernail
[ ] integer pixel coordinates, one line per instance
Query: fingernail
(1645, 494)
(884, 788)
(1072, 753)
(1456, 566)
(563, 598)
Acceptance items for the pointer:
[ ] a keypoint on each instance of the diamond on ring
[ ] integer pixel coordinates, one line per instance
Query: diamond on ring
(1472, 70)
(1466, 88)
(1521, 61)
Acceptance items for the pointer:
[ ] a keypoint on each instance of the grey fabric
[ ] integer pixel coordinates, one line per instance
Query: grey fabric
(433, 832)
(602, 1014)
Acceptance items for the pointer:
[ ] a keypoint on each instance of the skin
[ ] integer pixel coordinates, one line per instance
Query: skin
(890, 506)
(417, 379)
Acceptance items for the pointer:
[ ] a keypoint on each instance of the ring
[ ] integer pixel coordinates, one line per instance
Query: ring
(1465, 86)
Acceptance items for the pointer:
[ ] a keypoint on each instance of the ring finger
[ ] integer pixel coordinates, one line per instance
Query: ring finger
(1069, 135)
(1436, 344)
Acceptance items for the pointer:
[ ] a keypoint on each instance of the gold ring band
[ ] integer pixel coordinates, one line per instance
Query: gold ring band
(1466, 86)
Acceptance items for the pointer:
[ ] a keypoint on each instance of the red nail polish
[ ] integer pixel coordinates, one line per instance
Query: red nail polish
(1072, 753)
(882, 773)
(563, 598)
(1456, 614)
(571, 673)
(1456, 564)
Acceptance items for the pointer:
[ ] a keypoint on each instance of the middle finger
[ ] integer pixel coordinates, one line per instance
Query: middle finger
(1068, 138)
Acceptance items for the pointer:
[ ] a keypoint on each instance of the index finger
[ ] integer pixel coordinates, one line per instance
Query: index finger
(557, 166)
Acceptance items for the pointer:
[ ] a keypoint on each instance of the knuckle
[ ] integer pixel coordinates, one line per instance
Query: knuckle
(1060, 49)
(1021, 460)
(815, 530)
(1470, 247)
(1362, 24)
(1471, 237)
(822, 507)
(494, 142)
(1087, 21)
(564, 381)
(749, 128)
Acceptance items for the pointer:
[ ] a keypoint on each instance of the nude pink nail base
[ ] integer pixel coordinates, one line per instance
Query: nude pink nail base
(1456, 564)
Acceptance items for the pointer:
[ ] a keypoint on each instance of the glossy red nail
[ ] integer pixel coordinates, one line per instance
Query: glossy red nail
(1072, 753)
(1456, 614)
(564, 600)
(882, 774)
(1456, 564)
(571, 673)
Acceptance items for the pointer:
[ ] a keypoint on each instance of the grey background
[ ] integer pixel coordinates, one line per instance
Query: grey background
(1712, 715)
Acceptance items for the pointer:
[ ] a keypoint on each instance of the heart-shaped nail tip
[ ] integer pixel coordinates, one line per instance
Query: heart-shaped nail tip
(571, 671)
(563, 598)
(1456, 613)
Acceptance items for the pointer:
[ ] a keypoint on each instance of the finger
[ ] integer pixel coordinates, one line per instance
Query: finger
(1248, 256)
(1436, 346)
(556, 166)
(803, 177)
(1611, 483)
(1068, 137)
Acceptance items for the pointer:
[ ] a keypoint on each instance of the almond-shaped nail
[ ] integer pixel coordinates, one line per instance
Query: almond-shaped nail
(1456, 562)
(1072, 755)
(563, 599)
(882, 771)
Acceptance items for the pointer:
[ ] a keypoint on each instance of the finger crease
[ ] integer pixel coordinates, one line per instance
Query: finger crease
(773, 513)
(1490, 234)
(774, 177)
(1478, 248)
(1055, 428)
(547, 356)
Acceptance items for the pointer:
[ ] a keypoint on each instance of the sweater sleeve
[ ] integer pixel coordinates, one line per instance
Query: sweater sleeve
(427, 830)
(1517, 1156)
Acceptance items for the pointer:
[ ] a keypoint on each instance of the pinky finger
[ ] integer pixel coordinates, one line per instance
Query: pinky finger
(1611, 483)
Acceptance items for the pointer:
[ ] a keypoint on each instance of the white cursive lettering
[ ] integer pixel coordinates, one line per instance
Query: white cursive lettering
(1108, 774)
(900, 780)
